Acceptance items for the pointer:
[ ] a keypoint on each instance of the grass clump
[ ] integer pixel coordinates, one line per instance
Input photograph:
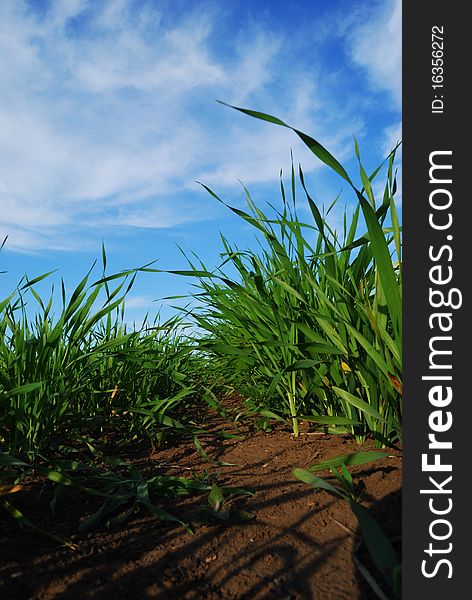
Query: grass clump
(66, 376)
(311, 323)
(77, 386)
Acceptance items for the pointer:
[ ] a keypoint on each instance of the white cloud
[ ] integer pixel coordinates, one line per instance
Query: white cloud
(376, 45)
(393, 135)
(252, 71)
(107, 114)
(153, 215)
(24, 240)
(139, 302)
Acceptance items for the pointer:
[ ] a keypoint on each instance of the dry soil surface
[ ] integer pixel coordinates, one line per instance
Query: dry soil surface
(299, 545)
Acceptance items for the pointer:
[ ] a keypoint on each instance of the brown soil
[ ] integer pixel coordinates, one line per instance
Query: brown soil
(300, 544)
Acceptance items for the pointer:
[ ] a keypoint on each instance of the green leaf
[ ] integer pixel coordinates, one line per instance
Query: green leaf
(358, 403)
(11, 461)
(320, 151)
(378, 545)
(329, 420)
(31, 282)
(59, 478)
(384, 265)
(27, 388)
(215, 497)
(352, 459)
(315, 481)
(270, 414)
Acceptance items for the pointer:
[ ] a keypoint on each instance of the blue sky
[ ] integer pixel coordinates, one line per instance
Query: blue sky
(108, 118)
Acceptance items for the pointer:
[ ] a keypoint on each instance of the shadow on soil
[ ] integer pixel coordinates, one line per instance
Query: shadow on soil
(146, 559)
(299, 545)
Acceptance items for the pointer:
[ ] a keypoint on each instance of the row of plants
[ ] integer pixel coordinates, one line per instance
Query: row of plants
(83, 368)
(310, 325)
(77, 384)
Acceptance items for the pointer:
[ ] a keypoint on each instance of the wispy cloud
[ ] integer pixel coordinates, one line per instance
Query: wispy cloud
(393, 135)
(133, 302)
(107, 114)
(376, 45)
